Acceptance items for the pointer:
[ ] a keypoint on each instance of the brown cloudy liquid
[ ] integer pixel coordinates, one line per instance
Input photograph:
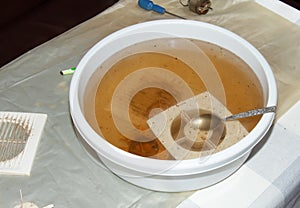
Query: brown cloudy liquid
(242, 90)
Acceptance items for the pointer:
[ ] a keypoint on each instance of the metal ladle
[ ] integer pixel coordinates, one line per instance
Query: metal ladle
(209, 121)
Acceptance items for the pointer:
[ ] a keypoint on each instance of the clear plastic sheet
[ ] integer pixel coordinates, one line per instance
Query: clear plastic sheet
(63, 173)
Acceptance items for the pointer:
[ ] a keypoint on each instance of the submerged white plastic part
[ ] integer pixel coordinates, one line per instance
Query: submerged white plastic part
(167, 175)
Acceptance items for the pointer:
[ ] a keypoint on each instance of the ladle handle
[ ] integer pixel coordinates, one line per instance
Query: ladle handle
(251, 113)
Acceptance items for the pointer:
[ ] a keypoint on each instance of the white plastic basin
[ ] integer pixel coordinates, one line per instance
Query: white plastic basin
(168, 175)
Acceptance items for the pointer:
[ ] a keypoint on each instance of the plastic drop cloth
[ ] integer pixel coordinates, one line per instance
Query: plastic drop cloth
(63, 173)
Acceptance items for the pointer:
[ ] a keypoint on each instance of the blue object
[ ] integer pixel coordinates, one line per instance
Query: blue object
(149, 5)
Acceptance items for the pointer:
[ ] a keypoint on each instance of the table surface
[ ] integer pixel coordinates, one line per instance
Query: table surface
(66, 175)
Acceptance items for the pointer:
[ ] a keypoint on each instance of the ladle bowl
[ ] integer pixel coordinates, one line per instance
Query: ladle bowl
(199, 127)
